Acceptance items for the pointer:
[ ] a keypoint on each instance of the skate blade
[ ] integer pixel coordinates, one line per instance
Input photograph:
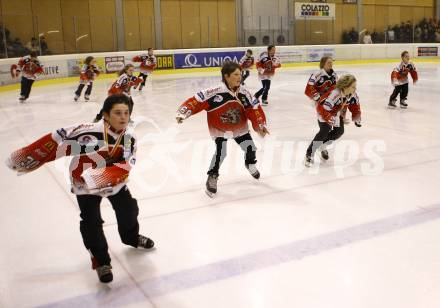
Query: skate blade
(256, 177)
(392, 107)
(403, 107)
(210, 194)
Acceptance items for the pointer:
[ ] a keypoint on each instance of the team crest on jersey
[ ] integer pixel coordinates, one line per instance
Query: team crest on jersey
(232, 116)
(218, 98)
(87, 140)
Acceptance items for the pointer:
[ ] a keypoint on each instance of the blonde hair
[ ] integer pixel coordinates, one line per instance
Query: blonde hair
(345, 81)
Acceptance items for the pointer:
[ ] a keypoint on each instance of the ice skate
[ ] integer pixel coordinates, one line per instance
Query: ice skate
(324, 155)
(105, 274)
(403, 104)
(145, 242)
(308, 162)
(211, 185)
(253, 171)
(392, 104)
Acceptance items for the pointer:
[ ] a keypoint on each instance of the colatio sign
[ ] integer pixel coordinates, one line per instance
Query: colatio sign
(314, 10)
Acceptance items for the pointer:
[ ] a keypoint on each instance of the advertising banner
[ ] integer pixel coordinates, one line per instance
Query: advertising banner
(51, 70)
(74, 66)
(427, 51)
(206, 59)
(320, 11)
(315, 54)
(291, 56)
(114, 64)
(165, 62)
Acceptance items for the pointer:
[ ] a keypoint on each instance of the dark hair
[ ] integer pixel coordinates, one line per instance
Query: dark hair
(270, 47)
(113, 100)
(33, 54)
(149, 48)
(88, 60)
(323, 61)
(404, 53)
(249, 51)
(124, 70)
(228, 68)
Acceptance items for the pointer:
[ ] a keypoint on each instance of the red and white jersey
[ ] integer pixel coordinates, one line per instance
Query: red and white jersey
(88, 73)
(29, 67)
(227, 112)
(246, 63)
(123, 85)
(399, 75)
(102, 158)
(320, 83)
(332, 104)
(266, 66)
(148, 63)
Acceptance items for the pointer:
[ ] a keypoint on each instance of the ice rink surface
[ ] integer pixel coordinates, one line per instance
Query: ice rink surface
(361, 230)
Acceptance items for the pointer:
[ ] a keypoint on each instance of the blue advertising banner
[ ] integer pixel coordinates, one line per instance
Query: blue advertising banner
(315, 54)
(206, 59)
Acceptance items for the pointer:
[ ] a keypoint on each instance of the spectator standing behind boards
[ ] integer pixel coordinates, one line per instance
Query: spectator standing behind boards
(367, 38)
(44, 48)
(32, 45)
(390, 34)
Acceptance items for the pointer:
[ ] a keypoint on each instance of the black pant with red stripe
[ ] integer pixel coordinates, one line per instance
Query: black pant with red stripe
(126, 210)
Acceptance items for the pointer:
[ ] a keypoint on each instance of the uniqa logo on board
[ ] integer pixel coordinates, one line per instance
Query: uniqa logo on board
(208, 61)
(191, 61)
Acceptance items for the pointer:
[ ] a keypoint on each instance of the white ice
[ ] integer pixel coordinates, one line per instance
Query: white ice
(361, 230)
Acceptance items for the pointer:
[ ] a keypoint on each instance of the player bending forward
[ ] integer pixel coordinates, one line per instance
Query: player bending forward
(331, 109)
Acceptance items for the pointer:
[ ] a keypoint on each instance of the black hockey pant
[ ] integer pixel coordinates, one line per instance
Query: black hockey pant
(246, 144)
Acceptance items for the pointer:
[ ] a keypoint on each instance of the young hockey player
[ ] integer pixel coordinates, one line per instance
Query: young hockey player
(103, 155)
(330, 110)
(229, 108)
(399, 79)
(29, 67)
(322, 81)
(266, 66)
(123, 86)
(89, 72)
(246, 63)
(148, 64)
